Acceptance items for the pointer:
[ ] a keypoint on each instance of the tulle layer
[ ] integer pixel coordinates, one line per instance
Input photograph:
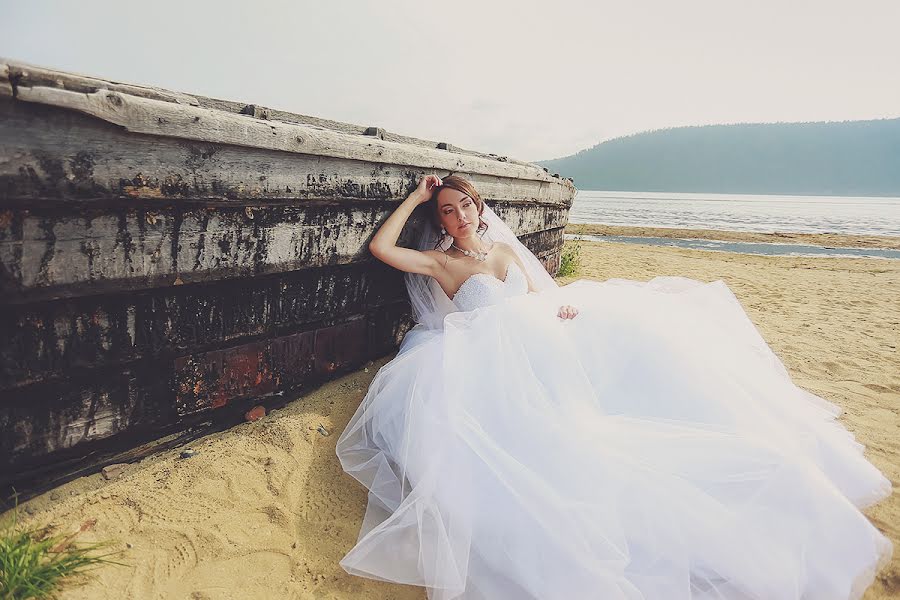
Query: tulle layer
(653, 447)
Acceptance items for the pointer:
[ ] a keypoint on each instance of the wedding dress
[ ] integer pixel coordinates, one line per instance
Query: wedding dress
(654, 447)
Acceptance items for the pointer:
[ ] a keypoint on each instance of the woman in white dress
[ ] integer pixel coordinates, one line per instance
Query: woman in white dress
(646, 444)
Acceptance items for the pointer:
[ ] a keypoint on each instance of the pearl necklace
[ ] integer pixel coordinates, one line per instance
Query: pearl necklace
(479, 256)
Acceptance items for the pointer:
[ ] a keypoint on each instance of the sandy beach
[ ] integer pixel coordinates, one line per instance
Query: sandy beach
(265, 511)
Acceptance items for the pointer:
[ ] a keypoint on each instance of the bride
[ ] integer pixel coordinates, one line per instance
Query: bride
(646, 444)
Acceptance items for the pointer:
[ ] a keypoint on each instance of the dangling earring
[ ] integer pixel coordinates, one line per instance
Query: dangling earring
(443, 231)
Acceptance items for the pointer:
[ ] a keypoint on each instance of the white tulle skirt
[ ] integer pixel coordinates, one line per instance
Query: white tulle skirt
(653, 447)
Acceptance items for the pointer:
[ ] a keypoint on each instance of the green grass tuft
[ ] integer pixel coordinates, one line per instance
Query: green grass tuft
(34, 564)
(570, 261)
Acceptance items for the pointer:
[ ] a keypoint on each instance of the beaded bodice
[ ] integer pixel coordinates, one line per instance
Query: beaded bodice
(483, 289)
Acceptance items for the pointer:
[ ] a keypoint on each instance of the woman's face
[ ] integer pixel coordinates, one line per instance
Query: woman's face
(458, 213)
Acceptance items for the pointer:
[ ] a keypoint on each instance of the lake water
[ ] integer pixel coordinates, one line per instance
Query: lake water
(734, 212)
(764, 248)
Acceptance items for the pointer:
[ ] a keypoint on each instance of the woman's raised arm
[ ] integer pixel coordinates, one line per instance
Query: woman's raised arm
(384, 244)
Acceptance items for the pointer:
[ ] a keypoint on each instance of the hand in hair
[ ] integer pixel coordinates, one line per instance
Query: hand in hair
(426, 188)
(384, 243)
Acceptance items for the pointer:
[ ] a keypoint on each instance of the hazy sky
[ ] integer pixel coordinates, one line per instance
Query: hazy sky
(533, 80)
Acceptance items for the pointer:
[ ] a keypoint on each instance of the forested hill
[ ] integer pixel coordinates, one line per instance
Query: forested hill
(852, 158)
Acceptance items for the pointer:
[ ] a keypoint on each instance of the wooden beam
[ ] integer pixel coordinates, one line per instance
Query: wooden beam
(48, 340)
(86, 83)
(48, 253)
(52, 154)
(6, 90)
(160, 118)
(32, 76)
(43, 419)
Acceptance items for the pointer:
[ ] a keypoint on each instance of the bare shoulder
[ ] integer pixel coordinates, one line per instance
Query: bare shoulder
(504, 247)
(507, 250)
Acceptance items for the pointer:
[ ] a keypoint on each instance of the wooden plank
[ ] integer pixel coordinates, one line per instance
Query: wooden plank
(43, 419)
(287, 117)
(210, 380)
(93, 251)
(388, 326)
(531, 218)
(87, 84)
(6, 90)
(543, 243)
(47, 340)
(51, 154)
(552, 261)
(48, 253)
(340, 346)
(85, 459)
(160, 118)
(32, 76)
(47, 418)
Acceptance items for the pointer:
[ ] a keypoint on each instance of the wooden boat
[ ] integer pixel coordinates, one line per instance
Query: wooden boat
(169, 260)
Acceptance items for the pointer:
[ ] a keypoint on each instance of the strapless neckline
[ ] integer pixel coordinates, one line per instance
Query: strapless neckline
(491, 275)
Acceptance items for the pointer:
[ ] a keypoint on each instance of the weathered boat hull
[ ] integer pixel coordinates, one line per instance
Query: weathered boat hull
(167, 260)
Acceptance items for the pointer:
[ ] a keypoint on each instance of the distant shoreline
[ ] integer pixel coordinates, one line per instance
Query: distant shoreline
(825, 240)
(849, 158)
(643, 194)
